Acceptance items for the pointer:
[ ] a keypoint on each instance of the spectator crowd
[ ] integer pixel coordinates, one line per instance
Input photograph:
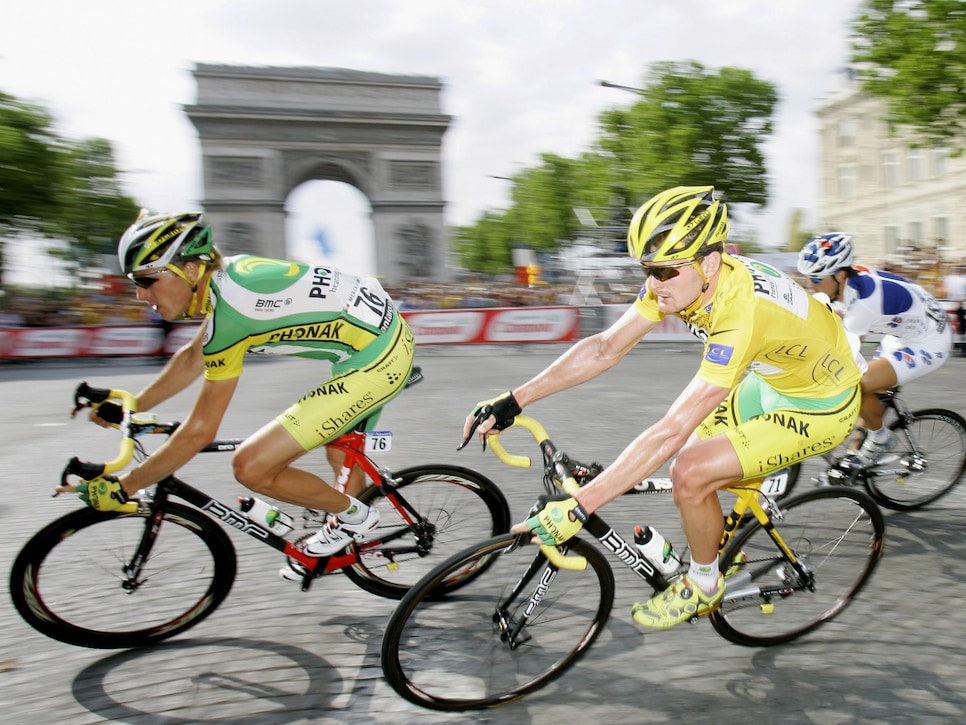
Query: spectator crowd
(115, 301)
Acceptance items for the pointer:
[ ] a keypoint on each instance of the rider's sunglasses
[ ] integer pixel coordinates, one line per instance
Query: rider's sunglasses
(664, 273)
(145, 281)
(816, 280)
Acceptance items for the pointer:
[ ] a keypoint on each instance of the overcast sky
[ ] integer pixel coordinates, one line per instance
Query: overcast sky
(520, 79)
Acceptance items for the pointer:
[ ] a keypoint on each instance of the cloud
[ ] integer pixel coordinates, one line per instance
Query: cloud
(519, 77)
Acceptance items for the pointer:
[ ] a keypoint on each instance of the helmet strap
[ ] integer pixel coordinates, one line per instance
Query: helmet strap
(707, 282)
(195, 297)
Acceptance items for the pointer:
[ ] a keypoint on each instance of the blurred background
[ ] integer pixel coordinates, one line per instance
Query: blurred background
(506, 156)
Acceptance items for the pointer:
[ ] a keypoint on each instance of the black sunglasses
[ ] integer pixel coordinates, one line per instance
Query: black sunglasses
(665, 273)
(145, 281)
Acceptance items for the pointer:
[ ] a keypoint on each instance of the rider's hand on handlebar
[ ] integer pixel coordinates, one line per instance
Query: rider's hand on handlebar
(107, 415)
(555, 520)
(103, 493)
(501, 411)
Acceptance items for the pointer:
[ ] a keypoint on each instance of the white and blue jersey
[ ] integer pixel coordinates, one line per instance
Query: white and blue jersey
(917, 336)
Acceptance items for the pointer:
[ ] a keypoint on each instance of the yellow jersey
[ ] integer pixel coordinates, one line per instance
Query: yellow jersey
(760, 320)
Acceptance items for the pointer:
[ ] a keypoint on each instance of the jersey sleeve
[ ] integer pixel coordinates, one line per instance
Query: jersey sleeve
(646, 305)
(225, 364)
(861, 312)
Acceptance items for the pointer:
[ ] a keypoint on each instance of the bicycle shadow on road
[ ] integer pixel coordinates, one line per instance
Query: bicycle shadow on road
(933, 537)
(871, 683)
(211, 679)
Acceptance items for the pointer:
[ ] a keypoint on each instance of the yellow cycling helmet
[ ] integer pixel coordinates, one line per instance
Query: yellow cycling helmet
(677, 224)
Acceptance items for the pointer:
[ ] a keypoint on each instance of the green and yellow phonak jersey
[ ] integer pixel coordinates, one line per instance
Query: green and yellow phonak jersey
(760, 320)
(279, 307)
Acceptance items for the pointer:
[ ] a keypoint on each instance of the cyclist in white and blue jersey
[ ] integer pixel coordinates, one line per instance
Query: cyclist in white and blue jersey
(916, 334)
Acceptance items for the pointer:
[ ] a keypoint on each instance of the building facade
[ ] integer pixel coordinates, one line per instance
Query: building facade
(903, 204)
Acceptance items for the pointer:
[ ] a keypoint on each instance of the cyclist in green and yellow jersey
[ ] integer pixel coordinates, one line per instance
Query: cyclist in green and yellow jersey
(251, 304)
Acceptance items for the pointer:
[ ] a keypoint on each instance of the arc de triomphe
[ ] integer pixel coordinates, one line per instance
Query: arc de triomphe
(265, 130)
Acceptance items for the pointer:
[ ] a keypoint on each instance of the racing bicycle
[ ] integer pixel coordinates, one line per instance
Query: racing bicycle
(927, 461)
(157, 567)
(791, 566)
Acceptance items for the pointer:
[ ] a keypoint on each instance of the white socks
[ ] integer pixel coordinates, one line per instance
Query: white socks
(356, 512)
(704, 576)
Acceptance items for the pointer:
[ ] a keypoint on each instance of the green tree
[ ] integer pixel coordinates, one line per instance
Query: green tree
(485, 246)
(690, 126)
(542, 212)
(693, 127)
(93, 212)
(59, 188)
(912, 54)
(31, 168)
(31, 164)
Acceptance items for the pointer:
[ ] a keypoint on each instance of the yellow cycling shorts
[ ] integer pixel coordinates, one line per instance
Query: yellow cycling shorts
(355, 394)
(770, 431)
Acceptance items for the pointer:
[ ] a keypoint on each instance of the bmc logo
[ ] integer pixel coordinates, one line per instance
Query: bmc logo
(265, 304)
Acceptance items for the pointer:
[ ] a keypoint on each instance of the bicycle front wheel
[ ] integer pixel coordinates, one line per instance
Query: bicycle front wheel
(836, 533)
(456, 507)
(70, 581)
(930, 452)
(500, 636)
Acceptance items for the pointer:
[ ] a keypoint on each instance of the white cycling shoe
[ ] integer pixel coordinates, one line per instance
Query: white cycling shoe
(332, 539)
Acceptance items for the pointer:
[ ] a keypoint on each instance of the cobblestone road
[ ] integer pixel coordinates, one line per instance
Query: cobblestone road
(272, 654)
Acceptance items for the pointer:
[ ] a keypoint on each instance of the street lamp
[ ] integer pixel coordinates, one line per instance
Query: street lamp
(618, 86)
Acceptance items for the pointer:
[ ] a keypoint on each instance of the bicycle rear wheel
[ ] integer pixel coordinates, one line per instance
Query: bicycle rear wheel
(501, 635)
(458, 507)
(836, 532)
(69, 580)
(931, 458)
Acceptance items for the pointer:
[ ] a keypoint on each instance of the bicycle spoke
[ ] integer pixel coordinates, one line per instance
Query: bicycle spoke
(70, 582)
(453, 653)
(928, 460)
(455, 508)
(837, 536)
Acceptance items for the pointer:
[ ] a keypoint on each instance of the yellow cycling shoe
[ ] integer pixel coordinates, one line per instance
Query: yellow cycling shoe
(679, 603)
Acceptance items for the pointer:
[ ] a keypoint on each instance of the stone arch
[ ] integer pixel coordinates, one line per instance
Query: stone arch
(266, 130)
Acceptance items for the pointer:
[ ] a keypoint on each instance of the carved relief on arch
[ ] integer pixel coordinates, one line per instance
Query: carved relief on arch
(422, 175)
(415, 250)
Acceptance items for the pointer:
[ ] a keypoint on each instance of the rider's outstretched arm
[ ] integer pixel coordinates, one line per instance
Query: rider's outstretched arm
(184, 367)
(583, 361)
(197, 431)
(587, 358)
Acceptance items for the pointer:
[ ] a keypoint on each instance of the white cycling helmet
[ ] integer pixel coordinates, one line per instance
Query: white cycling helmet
(155, 241)
(826, 255)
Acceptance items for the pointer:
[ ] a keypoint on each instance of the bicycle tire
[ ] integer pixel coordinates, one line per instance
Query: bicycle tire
(450, 653)
(68, 581)
(460, 507)
(838, 532)
(940, 435)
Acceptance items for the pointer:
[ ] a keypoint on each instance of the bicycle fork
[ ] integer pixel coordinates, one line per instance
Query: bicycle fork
(152, 525)
(512, 626)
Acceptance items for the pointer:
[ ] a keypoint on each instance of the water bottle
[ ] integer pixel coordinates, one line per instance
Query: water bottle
(656, 549)
(264, 514)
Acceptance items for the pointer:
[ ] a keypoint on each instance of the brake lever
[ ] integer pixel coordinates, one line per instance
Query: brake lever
(485, 412)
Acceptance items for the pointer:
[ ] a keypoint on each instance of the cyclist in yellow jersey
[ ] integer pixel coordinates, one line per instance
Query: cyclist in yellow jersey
(777, 383)
(259, 305)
